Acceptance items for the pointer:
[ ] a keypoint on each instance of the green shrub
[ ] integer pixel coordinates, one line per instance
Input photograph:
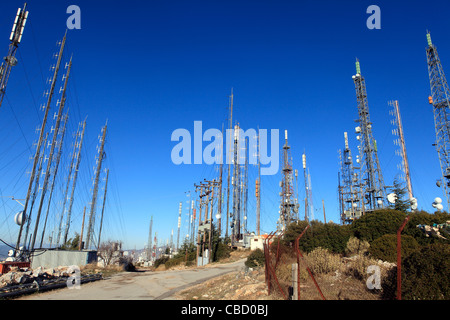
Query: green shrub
(426, 273)
(173, 262)
(385, 247)
(424, 218)
(161, 261)
(330, 236)
(373, 225)
(356, 247)
(255, 259)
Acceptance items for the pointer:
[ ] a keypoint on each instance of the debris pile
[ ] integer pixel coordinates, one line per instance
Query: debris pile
(18, 276)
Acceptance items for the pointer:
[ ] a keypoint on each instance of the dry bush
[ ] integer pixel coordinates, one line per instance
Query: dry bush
(356, 246)
(322, 261)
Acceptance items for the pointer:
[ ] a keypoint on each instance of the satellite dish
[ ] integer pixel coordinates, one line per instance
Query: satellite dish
(438, 183)
(20, 218)
(218, 216)
(358, 129)
(380, 202)
(392, 198)
(440, 207)
(413, 203)
(438, 200)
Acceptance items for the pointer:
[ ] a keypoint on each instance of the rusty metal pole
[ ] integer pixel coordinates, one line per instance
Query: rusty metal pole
(82, 228)
(399, 258)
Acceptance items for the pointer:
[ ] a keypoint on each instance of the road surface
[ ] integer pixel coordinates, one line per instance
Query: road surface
(145, 285)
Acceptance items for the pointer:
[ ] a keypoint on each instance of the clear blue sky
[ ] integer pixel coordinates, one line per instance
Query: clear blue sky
(151, 67)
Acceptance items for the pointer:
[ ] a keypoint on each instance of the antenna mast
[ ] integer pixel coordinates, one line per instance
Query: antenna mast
(440, 100)
(101, 156)
(373, 188)
(41, 136)
(10, 60)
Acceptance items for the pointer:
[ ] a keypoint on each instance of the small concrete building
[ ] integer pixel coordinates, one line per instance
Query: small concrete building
(57, 258)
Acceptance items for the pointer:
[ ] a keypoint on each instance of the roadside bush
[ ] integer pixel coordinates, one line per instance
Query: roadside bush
(385, 247)
(173, 262)
(255, 259)
(160, 261)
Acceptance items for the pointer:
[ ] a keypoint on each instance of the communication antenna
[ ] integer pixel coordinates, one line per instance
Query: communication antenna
(15, 39)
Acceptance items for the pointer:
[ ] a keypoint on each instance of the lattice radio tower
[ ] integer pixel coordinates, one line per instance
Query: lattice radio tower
(371, 178)
(288, 205)
(351, 197)
(439, 99)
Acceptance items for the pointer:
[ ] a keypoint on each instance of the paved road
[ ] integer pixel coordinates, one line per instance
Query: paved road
(162, 285)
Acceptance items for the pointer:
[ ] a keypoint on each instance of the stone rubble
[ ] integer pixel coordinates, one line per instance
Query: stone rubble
(17, 276)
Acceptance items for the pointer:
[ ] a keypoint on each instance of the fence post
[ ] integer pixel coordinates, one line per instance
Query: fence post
(295, 281)
(399, 258)
(299, 254)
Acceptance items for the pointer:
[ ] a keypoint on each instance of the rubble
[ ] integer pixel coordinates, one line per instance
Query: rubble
(17, 276)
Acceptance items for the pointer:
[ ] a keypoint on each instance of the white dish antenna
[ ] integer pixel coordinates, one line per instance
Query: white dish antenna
(413, 203)
(392, 198)
(20, 218)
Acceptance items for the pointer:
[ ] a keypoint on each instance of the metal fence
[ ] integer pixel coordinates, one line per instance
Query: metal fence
(291, 274)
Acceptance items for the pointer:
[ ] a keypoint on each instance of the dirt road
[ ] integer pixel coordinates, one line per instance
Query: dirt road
(140, 285)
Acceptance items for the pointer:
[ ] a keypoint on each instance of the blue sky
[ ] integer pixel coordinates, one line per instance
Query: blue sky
(151, 67)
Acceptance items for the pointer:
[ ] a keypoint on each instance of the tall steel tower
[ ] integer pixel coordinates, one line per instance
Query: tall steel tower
(10, 60)
(439, 99)
(372, 184)
(288, 205)
(350, 199)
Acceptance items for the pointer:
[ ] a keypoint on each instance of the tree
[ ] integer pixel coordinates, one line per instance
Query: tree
(110, 251)
(72, 244)
(400, 203)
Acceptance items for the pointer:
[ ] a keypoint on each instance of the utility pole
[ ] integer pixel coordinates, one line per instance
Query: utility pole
(373, 188)
(103, 209)
(80, 247)
(324, 216)
(101, 156)
(199, 242)
(41, 135)
(74, 182)
(440, 100)
(10, 60)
